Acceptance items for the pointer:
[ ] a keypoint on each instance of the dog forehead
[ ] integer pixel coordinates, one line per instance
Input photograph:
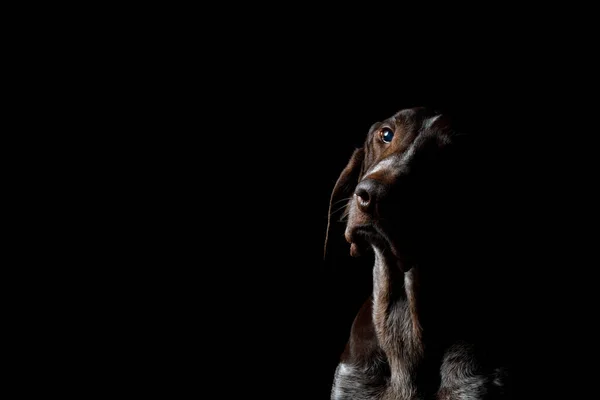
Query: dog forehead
(428, 123)
(407, 119)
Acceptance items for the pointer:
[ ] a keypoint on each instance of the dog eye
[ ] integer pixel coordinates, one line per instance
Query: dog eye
(387, 135)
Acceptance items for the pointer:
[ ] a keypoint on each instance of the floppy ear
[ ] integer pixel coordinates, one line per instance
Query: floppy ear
(344, 187)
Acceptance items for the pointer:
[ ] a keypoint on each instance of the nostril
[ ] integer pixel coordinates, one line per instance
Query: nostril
(363, 199)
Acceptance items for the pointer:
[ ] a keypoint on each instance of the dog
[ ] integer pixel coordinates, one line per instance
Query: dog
(436, 325)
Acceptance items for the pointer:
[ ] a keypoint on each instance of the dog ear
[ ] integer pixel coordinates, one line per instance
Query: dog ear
(344, 187)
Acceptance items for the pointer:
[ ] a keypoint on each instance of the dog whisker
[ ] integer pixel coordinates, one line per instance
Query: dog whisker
(345, 215)
(340, 200)
(339, 209)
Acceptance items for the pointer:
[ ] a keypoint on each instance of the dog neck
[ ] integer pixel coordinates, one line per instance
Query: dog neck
(398, 323)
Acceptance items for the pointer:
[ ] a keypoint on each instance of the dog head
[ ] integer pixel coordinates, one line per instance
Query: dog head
(399, 185)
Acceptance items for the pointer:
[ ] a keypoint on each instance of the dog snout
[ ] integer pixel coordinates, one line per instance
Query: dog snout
(368, 193)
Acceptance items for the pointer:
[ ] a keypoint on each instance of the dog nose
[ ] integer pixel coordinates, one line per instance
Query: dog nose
(367, 195)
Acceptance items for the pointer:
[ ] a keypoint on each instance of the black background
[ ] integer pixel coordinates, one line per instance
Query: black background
(229, 290)
(273, 312)
(214, 139)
